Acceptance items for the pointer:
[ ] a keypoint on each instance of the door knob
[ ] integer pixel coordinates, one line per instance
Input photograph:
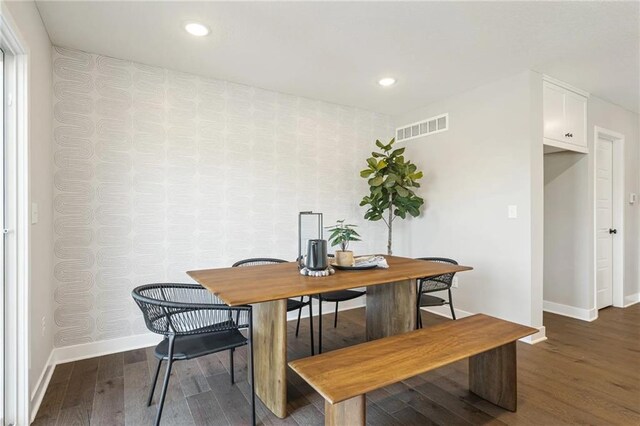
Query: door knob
(613, 231)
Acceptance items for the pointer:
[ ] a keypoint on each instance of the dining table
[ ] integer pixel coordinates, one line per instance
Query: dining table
(391, 307)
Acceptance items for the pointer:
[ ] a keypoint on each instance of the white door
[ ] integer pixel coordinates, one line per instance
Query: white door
(604, 223)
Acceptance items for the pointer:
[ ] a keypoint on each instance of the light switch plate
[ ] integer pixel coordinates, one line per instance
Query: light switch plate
(512, 212)
(633, 197)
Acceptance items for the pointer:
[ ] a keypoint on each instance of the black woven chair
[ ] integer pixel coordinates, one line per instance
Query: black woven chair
(195, 323)
(292, 304)
(336, 297)
(433, 284)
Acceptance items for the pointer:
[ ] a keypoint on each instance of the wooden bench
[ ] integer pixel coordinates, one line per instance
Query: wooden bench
(344, 376)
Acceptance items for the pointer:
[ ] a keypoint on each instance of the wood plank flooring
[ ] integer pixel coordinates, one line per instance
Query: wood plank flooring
(585, 373)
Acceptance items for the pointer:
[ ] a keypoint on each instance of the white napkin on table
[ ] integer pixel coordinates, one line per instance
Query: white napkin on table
(379, 261)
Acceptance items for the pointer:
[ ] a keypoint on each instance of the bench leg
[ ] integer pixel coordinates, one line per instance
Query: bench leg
(351, 412)
(492, 376)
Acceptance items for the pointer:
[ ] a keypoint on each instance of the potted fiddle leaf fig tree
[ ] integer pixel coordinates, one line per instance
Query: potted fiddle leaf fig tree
(342, 234)
(391, 180)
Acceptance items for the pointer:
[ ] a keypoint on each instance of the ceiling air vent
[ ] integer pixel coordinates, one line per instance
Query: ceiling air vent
(437, 124)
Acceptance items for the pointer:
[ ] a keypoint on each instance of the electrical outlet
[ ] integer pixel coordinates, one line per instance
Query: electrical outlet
(454, 283)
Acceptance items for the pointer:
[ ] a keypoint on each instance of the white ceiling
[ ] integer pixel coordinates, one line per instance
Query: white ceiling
(337, 51)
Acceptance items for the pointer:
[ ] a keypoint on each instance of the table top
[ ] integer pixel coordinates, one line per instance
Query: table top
(263, 283)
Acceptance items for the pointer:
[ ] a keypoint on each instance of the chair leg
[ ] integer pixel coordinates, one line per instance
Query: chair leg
(165, 385)
(335, 317)
(453, 314)
(418, 312)
(311, 325)
(319, 324)
(153, 383)
(231, 351)
(298, 324)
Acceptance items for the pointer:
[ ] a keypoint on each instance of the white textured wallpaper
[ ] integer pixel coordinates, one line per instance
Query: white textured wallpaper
(159, 172)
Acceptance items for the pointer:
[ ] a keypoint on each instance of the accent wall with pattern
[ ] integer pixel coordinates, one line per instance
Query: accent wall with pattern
(159, 172)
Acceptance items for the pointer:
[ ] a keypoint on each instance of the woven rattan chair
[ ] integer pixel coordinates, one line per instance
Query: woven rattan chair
(195, 323)
(433, 284)
(292, 304)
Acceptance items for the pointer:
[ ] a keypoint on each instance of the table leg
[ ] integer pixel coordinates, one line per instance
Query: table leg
(391, 309)
(492, 376)
(351, 412)
(270, 354)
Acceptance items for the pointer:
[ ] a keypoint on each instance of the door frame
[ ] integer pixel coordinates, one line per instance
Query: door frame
(617, 214)
(16, 239)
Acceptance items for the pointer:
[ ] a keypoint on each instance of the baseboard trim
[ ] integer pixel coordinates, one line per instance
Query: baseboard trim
(104, 347)
(570, 311)
(632, 299)
(41, 387)
(536, 338)
(444, 311)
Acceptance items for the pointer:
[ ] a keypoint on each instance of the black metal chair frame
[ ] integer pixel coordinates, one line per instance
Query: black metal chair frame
(337, 297)
(435, 284)
(292, 304)
(188, 315)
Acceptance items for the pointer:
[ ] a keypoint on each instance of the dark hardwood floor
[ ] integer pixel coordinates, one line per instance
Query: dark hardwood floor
(585, 373)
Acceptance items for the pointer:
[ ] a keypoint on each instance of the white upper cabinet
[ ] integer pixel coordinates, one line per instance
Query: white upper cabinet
(565, 118)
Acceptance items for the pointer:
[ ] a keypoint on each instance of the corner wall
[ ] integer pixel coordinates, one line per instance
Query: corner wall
(486, 161)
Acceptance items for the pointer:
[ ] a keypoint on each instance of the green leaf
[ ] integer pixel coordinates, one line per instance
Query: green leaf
(372, 162)
(402, 192)
(391, 180)
(398, 151)
(366, 173)
(376, 181)
(381, 165)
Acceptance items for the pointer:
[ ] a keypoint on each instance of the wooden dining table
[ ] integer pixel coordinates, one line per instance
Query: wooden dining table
(390, 307)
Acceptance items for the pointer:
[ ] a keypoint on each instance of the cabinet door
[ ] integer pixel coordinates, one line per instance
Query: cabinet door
(553, 99)
(575, 112)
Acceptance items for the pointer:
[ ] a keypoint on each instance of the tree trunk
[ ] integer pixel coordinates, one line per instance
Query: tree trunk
(390, 225)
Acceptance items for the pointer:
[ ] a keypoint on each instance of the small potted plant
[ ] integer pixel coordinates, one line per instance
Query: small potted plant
(342, 234)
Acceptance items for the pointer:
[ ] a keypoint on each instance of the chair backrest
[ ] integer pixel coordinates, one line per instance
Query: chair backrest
(185, 309)
(257, 261)
(439, 282)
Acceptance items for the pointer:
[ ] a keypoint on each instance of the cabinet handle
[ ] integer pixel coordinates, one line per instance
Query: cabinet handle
(568, 135)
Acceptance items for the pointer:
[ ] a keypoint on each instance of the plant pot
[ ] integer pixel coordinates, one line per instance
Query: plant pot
(344, 258)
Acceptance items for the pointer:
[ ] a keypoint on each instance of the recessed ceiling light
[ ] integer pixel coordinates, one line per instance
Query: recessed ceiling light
(196, 29)
(387, 81)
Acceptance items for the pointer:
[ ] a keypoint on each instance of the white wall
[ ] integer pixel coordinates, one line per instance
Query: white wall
(567, 245)
(473, 172)
(159, 172)
(612, 117)
(29, 25)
